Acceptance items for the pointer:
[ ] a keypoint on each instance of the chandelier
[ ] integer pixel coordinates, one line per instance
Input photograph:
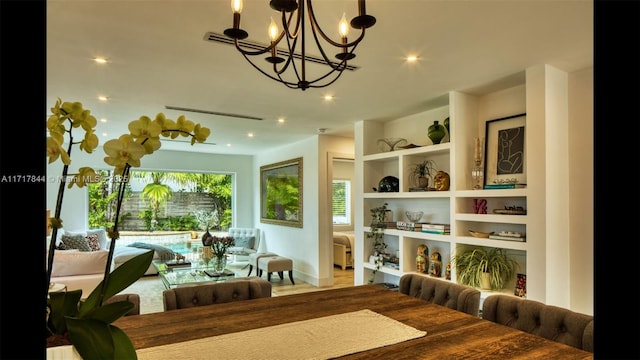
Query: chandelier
(289, 67)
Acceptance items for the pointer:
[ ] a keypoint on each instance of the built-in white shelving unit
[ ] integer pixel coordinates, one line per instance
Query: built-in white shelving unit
(468, 114)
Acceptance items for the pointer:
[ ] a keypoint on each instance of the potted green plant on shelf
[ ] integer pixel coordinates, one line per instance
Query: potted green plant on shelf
(87, 323)
(422, 172)
(377, 226)
(484, 268)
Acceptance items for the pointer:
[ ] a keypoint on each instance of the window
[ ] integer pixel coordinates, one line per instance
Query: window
(341, 202)
(157, 200)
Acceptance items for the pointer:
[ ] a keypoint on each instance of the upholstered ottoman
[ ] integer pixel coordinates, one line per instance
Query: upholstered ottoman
(254, 257)
(278, 264)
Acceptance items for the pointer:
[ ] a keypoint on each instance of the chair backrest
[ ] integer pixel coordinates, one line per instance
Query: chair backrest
(132, 298)
(454, 296)
(551, 322)
(216, 293)
(246, 233)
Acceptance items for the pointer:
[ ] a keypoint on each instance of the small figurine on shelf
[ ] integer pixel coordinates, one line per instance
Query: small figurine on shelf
(435, 269)
(447, 272)
(421, 258)
(480, 206)
(441, 181)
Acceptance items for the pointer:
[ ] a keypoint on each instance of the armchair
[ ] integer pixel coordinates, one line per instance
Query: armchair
(247, 241)
(216, 293)
(454, 296)
(551, 322)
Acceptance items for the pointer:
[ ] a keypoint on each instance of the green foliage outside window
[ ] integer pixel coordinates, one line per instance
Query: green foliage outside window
(102, 200)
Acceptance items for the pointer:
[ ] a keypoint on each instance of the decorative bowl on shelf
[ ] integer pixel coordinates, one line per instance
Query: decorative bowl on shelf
(479, 234)
(414, 216)
(390, 144)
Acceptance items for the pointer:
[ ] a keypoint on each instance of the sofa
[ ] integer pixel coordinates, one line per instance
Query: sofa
(84, 268)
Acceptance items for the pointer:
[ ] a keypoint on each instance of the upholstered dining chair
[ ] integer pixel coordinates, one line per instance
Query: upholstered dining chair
(551, 322)
(216, 293)
(446, 293)
(133, 298)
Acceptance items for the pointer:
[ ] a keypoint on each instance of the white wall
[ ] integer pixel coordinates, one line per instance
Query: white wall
(309, 246)
(75, 205)
(581, 175)
(299, 244)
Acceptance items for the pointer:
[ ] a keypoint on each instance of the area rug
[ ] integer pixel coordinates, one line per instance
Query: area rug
(321, 338)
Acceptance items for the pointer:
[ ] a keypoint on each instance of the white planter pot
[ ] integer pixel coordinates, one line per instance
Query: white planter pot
(65, 352)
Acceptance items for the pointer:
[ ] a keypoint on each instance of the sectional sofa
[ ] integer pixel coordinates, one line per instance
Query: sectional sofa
(84, 270)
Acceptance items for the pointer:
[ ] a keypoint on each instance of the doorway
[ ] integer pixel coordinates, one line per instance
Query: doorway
(341, 172)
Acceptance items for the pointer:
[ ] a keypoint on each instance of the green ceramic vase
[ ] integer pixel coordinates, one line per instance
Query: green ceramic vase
(436, 132)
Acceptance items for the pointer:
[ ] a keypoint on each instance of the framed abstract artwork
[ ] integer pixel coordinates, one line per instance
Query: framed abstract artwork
(281, 193)
(505, 145)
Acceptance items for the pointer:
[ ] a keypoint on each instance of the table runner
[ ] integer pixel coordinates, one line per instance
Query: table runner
(319, 338)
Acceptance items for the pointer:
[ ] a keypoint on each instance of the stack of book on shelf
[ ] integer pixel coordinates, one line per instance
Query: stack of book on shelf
(508, 235)
(505, 186)
(442, 229)
(408, 226)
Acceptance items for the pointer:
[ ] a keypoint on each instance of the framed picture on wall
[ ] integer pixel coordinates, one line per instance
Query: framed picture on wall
(505, 156)
(281, 193)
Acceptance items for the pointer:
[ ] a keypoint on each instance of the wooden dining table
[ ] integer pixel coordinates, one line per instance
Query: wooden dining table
(450, 334)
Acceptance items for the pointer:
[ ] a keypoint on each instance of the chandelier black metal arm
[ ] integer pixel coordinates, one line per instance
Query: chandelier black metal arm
(296, 9)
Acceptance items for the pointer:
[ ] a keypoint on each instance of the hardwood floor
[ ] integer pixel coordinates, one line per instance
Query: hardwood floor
(341, 278)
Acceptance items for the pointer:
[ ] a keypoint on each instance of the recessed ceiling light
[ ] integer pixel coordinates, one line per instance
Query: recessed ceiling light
(412, 58)
(228, 145)
(328, 97)
(100, 60)
(103, 120)
(104, 134)
(281, 120)
(250, 135)
(103, 98)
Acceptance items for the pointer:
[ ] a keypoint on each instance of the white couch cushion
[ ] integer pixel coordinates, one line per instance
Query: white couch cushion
(71, 262)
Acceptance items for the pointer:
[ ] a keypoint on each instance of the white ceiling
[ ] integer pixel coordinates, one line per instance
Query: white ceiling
(158, 56)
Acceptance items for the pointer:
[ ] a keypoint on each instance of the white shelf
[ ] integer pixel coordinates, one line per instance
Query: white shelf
(491, 193)
(422, 150)
(493, 218)
(505, 244)
(407, 195)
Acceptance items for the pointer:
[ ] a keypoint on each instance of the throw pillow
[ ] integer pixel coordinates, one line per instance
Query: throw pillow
(62, 246)
(76, 242)
(245, 241)
(102, 237)
(93, 242)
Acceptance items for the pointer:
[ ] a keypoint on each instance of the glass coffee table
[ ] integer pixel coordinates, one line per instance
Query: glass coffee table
(176, 275)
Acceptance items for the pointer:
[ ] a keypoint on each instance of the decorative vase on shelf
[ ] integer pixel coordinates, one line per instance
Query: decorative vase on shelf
(477, 175)
(477, 171)
(446, 124)
(436, 132)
